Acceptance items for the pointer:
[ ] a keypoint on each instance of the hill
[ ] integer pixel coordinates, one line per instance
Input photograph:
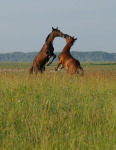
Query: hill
(81, 56)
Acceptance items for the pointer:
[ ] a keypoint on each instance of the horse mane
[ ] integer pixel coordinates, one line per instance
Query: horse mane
(47, 37)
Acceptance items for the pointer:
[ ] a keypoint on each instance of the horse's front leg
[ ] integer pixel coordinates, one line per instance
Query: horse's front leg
(54, 56)
(61, 67)
(58, 64)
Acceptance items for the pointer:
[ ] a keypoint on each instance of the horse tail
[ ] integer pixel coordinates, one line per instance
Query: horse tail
(31, 70)
(80, 70)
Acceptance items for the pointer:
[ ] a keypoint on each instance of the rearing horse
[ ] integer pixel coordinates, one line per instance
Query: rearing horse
(46, 52)
(66, 59)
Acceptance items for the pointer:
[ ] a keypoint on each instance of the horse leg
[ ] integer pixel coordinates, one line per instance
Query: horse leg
(61, 67)
(58, 64)
(67, 71)
(54, 56)
(40, 71)
(35, 68)
(43, 69)
(31, 70)
(73, 69)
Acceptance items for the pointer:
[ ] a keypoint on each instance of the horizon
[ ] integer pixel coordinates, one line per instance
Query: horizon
(58, 52)
(26, 24)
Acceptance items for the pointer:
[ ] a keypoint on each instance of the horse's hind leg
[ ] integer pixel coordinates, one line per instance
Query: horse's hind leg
(31, 70)
(41, 69)
(72, 69)
(35, 68)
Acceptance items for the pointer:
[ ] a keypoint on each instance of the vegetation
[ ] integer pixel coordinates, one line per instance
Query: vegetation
(56, 110)
(81, 56)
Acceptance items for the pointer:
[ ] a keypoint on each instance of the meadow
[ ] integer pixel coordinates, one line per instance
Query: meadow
(56, 111)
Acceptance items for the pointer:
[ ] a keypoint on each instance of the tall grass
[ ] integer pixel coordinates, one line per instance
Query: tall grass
(58, 111)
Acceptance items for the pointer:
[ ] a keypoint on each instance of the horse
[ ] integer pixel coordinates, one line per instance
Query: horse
(65, 58)
(45, 53)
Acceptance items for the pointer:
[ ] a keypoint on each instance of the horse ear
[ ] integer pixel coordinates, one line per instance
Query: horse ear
(52, 28)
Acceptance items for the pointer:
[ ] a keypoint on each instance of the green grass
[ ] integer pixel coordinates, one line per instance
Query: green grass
(26, 65)
(14, 65)
(58, 111)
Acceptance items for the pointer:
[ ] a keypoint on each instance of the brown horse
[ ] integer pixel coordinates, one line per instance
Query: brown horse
(65, 58)
(46, 52)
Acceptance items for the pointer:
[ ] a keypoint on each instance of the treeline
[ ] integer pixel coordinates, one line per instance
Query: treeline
(81, 56)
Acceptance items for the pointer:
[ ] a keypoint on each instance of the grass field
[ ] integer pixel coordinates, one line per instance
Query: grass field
(56, 111)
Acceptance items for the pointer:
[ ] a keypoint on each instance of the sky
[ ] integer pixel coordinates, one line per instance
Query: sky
(25, 24)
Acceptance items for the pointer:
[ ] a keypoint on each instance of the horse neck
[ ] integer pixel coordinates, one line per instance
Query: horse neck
(50, 39)
(67, 47)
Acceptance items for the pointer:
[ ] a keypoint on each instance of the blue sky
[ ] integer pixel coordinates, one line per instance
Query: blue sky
(25, 24)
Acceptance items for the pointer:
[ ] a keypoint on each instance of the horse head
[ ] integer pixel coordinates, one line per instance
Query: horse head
(57, 33)
(69, 39)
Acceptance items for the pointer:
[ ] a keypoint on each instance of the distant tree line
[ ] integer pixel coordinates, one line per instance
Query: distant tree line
(81, 56)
